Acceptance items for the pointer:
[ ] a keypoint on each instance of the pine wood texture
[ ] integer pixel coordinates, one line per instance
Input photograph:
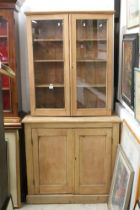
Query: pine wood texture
(53, 147)
(93, 161)
(12, 122)
(70, 155)
(65, 199)
(70, 69)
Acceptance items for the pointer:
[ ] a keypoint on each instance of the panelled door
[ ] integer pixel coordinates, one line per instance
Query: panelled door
(53, 160)
(93, 161)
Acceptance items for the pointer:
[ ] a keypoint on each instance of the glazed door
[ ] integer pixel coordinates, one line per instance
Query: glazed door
(7, 57)
(49, 65)
(91, 68)
(93, 161)
(53, 160)
(3, 158)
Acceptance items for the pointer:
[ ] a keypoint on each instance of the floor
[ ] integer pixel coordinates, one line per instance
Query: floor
(65, 207)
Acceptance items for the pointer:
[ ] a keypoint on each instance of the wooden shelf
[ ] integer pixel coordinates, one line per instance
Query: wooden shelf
(48, 40)
(4, 89)
(92, 85)
(90, 40)
(3, 36)
(91, 60)
(5, 62)
(52, 85)
(47, 61)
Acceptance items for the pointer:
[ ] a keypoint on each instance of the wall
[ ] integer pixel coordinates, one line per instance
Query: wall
(122, 109)
(68, 5)
(47, 5)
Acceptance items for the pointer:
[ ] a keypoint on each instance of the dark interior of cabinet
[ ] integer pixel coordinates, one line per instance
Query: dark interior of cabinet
(87, 29)
(48, 63)
(50, 98)
(47, 29)
(48, 50)
(4, 193)
(91, 55)
(91, 97)
(91, 50)
(91, 73)
(49, 73)
(7, 57)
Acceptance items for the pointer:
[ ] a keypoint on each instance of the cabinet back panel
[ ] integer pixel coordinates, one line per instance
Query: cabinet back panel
(46, 73)
(50, 98)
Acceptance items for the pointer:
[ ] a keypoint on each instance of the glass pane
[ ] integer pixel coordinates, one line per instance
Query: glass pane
(91, 50)
(3, 40)
(91, 29)
(50, 98)
(49, 73)
(47, 29)
(4, 59)
(5, 82)
(6, 100)
(91, 56)
(48, 63)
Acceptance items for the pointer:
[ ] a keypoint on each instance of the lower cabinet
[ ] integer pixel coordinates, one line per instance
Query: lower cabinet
(70, 160)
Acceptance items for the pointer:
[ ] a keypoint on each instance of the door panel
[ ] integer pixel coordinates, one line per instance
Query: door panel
(93, 161)
(91, 48)
(53, 156)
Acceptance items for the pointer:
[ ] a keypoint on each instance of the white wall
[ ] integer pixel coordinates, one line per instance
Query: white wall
(68, 5)
(49, 5)
(124, 30)
(122, 109)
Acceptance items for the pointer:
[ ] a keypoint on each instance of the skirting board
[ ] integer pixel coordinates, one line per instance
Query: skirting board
(59, 199)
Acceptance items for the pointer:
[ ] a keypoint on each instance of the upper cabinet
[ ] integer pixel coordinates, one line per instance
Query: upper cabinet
(70, 63)
(8, 57)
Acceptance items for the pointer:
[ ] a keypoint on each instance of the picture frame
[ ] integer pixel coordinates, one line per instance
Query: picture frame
(132, 13)
(137, 93)
(137, 206)
(131, 146)
(130, 59)
(138, 187)
(121, 182)
(10, 204)
(13, 157)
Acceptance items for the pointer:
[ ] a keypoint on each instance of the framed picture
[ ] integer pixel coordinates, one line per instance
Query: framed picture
(12, 139)
(137, 94)
(132, 13)
(130, 59)
(121, 182)
(131, 146)
(10, 204)
(137, 206)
